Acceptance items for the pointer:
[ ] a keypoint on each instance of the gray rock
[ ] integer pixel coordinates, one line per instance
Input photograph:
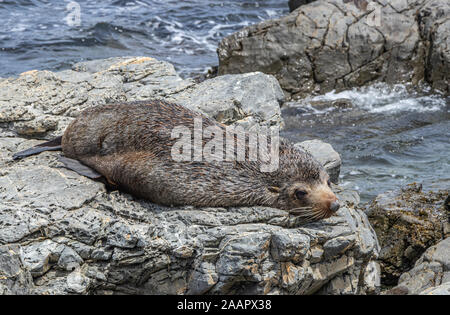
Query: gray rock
(290, 246)
(101, 254)
(443, 289)
(407, 222)
(77, 282)
(14, 277)
(42, 103)
(326, 155)
(431, 273)
(372, 278)
(336, 44)
(435, 27)
(345, 282)
(203, 278)
(40, 256)
(249, 100)
(72, 236)
(69, 259)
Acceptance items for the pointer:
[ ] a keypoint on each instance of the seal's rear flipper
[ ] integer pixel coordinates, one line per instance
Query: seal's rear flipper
(79, 168)
(53, 145)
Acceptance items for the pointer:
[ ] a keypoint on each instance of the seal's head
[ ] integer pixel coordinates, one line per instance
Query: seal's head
(310, 200)
(304, 188)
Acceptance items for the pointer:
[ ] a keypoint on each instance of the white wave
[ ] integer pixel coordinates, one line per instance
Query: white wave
(271, 13)
(383, 98)
(202, 40)
(19, 27)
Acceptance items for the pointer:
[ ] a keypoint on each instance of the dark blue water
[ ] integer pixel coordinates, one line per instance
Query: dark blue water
(48, 35)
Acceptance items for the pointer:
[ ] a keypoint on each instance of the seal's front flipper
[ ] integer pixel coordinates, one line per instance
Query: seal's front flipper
(53, 145)
(79, 168)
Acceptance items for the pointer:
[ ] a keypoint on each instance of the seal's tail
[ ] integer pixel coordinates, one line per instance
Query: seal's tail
(52, 145)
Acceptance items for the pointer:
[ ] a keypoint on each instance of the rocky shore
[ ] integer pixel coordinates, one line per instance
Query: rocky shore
(323, 46)
(63, 233)
(335, 44)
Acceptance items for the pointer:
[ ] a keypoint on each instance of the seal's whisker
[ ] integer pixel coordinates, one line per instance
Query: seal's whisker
(318, 215)
(309, 214)
(300, 209)
(300, 214)
(315, 216)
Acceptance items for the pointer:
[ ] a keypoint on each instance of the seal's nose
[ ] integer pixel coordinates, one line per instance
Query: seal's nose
(334, 206)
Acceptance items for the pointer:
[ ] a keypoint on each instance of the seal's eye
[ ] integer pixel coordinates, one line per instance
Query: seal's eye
(300, 194)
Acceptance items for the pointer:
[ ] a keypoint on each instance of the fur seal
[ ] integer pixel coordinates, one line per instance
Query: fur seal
(130, 145)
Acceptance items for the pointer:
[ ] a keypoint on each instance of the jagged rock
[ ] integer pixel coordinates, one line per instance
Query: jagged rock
(41, 104)
(72, 236)
(434, 26)
(139, 247)
(431, 273)
(336, 44)
(250, 100)
(407, 222)
(443, 289)
(14, 277)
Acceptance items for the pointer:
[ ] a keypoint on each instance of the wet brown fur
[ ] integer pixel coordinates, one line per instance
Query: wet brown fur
(130, 144)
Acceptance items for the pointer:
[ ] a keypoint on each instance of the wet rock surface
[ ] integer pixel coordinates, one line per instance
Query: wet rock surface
(407, 222)
(336, 44)
(61, 233)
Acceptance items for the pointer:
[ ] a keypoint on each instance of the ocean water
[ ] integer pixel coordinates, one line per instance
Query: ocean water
(388, 136)
(54, 34)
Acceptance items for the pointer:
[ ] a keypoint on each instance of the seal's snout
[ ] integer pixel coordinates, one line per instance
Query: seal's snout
(334, 206)
(325, 200)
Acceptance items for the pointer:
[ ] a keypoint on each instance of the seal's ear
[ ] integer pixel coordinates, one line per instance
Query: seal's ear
(274, 189)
